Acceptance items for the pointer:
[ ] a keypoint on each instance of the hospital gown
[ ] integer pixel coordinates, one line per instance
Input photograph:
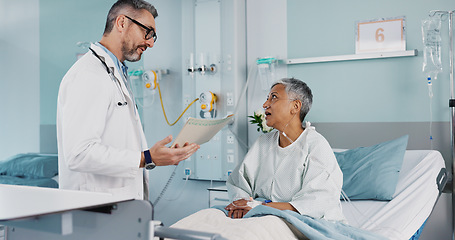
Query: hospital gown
(305, 174)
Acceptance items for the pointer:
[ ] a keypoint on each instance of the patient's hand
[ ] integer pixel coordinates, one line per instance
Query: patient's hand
(238, 213)
(238, 208)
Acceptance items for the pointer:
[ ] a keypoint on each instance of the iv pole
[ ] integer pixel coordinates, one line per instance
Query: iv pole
(451, 106)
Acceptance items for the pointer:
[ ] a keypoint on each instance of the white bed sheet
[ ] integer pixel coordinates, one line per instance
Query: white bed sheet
(215, 221)
(414, 198)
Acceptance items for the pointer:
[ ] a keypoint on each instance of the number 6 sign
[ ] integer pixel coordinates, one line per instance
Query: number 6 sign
(380, 35)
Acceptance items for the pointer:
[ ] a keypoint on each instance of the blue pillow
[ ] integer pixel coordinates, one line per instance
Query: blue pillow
(30, 165)
(372, 172)
(37, 182)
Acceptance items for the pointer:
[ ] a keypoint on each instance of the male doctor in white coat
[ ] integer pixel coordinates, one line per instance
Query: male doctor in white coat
(101, 143)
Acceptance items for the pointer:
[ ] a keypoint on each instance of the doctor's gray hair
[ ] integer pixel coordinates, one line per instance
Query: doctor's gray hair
(298, 90)
(127, 6)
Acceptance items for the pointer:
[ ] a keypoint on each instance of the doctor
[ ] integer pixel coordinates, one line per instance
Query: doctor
(101, 144)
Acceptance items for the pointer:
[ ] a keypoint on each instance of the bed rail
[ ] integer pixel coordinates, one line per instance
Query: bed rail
(441, 179)
(176, 233)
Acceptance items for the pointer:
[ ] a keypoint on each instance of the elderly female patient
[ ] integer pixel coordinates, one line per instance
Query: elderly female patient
(294, 167)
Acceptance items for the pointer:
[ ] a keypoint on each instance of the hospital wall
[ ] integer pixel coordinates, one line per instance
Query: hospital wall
(64, 24)
(363, 102)
(180, 198)
(37, 46)
(357, 103)
(19, 81)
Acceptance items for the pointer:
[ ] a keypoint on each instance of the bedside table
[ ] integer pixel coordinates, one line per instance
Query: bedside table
(218, 196)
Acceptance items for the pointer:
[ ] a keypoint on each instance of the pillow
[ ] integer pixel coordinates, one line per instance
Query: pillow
(37, 182)
(31, 165)
(372, 172)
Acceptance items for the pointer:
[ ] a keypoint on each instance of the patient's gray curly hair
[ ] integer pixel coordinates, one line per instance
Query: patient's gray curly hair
(298, 90)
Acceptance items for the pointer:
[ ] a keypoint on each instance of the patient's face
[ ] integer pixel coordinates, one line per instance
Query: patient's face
(277, 107)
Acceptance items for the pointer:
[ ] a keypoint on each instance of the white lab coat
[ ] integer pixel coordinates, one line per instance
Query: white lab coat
(99, 142)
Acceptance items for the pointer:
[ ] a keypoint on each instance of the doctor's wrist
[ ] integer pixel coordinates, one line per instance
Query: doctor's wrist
(149, 164)
(142, 163)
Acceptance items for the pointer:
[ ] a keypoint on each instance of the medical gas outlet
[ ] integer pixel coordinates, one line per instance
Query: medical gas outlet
(208, 106)
(150, 78)
(212, 68)
(213, 71)
(202, 69)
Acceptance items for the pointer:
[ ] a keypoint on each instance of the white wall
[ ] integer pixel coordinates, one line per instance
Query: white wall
(174, 30)
(19, 81)
(266, 37)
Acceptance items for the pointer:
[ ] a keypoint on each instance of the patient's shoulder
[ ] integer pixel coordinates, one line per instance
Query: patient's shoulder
(268, 138)
(314, 138)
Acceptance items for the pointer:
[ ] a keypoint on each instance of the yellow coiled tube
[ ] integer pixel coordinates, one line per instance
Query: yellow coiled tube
(164, 112)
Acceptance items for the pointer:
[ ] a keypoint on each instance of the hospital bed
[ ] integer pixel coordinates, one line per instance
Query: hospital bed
(421, 180)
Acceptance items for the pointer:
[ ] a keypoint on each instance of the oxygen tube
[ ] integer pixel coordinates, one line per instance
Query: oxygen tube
(164, 112)
(430, 94)
(151, 81)
(251, 75)
(264, 67)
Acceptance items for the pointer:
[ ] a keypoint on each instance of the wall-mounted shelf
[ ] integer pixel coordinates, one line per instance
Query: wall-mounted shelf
(409, 53)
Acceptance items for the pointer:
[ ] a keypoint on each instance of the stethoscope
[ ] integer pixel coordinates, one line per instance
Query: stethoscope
(119, 87)
(114, 79)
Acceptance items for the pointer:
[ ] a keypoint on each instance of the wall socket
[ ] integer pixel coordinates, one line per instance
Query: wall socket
(230, 139)
(230, 158)
(229, 99)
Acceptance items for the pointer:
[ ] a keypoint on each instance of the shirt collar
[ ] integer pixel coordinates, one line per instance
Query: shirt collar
(117, 62)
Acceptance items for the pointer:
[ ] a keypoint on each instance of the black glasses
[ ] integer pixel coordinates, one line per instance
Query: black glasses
(150, 32)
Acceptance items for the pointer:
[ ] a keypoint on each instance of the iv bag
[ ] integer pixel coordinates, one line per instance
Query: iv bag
(431, 36)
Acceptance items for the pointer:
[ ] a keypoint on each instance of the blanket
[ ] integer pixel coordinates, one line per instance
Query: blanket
(211, 220)
(312, 228)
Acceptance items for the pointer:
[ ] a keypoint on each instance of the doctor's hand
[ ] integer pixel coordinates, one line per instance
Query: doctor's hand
(163, 156)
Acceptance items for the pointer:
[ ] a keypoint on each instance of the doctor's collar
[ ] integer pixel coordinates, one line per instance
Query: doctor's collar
(121, 66)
